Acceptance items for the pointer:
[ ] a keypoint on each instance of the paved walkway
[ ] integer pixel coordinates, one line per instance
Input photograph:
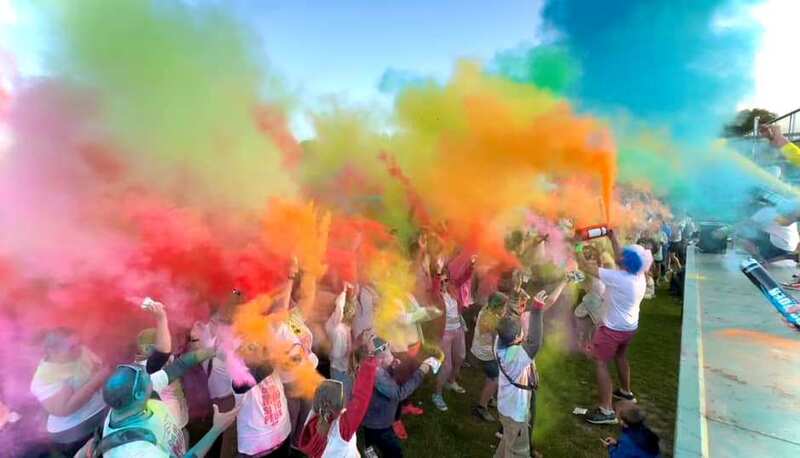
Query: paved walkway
(739, 389)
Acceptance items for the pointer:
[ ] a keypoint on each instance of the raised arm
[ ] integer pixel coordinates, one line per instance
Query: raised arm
(220, 423)
(612, 236)
(386, 385)
(338, 312)
(67, 401)
(357, 408)
(533, 340)
(181, 366)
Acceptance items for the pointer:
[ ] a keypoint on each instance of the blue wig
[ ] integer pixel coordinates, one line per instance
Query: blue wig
(632, 260)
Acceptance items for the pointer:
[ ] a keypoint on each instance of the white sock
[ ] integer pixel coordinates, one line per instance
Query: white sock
(605, 411)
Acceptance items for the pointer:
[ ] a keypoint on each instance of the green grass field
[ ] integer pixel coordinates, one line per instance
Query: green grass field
(567, 381)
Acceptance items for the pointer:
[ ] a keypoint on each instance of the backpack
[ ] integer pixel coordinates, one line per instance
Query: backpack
(99, 445)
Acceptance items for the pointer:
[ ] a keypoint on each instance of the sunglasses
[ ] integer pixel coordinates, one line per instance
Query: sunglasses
(138, 370)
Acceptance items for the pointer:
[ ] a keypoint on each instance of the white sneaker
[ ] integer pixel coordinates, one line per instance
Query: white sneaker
(455, 387)
(438, 401)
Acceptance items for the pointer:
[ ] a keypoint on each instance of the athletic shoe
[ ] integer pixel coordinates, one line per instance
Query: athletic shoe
(618, 394)
(411, 409)
(498, 434)
(455, 387)
(400, 430)
(438, 401)
(597, 417)
(483, 413)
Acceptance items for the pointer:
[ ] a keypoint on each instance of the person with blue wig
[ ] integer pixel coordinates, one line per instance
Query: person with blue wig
(624, 290)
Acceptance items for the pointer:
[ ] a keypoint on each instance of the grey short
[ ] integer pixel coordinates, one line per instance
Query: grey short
(491, 369)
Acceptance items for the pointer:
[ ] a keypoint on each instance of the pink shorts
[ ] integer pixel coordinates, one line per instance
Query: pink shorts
(608, 343)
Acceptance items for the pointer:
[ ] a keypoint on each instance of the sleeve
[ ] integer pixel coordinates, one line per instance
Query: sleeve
(362, 395)
(609, 277)
(792, 153)
(43, 391)
(180, 366)
(336, 316)
(160, 380)
(156, 361)
(387, 387)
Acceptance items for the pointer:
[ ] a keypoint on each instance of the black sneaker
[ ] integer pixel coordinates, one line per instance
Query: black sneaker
(597, 417)
(618, 394)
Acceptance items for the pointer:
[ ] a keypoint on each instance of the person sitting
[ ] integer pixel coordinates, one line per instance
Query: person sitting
(68, 382)
(330, 430)
(637, 440)
(139, 426)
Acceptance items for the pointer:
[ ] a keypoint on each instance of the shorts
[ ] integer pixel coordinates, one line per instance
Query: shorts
(608, 343)
(766, 248)
(490, 369)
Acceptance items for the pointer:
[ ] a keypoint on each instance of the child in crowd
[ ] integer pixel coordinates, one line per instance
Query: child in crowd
(636, 440)
(330, 430)
(387, 395)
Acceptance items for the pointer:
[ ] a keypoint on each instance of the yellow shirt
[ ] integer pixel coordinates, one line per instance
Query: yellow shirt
(792, 153)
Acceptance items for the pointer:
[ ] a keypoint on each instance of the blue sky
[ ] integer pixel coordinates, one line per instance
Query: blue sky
(342, 47)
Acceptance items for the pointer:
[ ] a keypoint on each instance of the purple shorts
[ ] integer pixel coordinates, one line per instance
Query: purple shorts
(608, 343)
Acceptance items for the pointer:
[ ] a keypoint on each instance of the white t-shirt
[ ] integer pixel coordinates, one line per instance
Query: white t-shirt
(172, 395)
(170, 440)
(263, 420)
(219, 380)
(514, 402)
(452, 317)
(784, 237)
(50, 378)
(623, 295)
(337, 447)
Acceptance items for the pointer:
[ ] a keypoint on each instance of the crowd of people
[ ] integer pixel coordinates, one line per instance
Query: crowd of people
(179, 396)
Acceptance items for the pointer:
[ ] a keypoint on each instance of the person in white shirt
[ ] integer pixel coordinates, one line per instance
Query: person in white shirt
(515, 351)
(68, 383)
(263, 425)
(625, 290)
(339, 330)
(775, 238)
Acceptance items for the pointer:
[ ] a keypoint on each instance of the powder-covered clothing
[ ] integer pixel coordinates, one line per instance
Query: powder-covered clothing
(514, 402)
(339, 334)
(50, 378)
(157, 418)
(340, 442)
(173, 396)
(263, 420)
(485, 332)
(387, 396)
(623, 295)
(452, 316)
(295, 332)
(516, 365)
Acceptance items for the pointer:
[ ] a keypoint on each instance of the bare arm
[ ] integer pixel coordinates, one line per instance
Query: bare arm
(163, 337)
(68, 401)
(338, 312)
(612, 235)
(221, 422)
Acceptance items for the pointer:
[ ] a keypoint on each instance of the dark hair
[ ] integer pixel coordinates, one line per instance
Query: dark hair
(631, 413)
(508, 329)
